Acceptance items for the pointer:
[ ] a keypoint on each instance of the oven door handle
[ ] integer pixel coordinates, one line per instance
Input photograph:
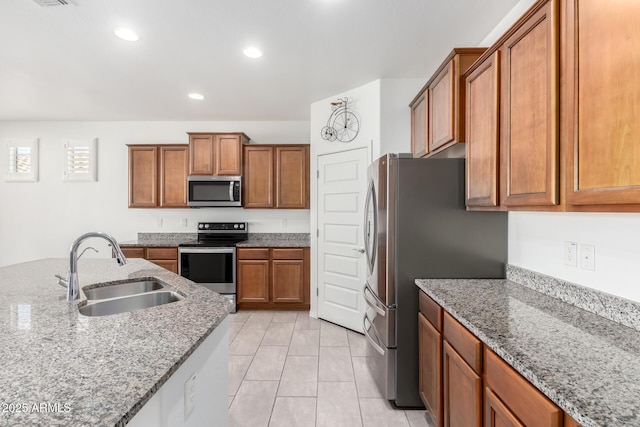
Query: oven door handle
(206, 250)
(372, 341)
(376, 302)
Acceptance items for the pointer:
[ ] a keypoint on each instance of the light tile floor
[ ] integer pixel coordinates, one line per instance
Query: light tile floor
(289, 369)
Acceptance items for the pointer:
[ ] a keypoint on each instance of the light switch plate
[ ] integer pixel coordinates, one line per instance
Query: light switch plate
(588, 257)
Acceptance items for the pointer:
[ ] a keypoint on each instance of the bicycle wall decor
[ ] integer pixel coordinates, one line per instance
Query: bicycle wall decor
(342, 124)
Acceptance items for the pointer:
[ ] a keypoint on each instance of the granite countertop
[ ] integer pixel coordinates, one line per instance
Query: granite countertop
(586, 364)
(91, 371)
(255, 240)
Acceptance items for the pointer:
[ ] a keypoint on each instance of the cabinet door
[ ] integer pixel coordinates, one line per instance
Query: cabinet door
(257, 190)
(462, 391)
(253, 280)
(441, 108)
(430, 368)
(292, 177)
(529, 140)
(524, 401)
(143, 176)
(496, 414)
(601, 50)
(228, 155)
(133, 251)
(419, 143)
(174, 166)
(287, 280)
(201, 154)
(166, 264)
(482, 136)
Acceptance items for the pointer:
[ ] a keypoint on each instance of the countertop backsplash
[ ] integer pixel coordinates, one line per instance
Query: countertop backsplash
(610, 307)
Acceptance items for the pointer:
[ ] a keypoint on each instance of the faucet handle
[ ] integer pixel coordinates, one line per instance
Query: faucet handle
(62, 281)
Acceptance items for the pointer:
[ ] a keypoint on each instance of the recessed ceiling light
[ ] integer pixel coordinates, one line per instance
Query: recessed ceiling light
(196, 96)
(126, 34)
(252, 52)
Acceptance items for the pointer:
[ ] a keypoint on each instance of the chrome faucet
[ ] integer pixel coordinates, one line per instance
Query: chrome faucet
(73, 286)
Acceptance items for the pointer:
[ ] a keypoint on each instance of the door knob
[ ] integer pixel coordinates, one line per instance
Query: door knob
(361, 250)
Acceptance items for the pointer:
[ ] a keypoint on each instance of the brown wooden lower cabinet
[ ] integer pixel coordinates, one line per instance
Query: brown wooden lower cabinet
(462, 390)
(165, 257)
(273, 278)
(477, 386)
(430, 382)
(524, 401)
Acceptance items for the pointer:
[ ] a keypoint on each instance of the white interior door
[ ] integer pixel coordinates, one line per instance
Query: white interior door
(342, 187)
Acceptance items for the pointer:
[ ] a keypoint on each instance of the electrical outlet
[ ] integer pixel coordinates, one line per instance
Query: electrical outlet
(284, 223)
(571, 254)
(184, 222)
(159, 223)
(190, 395)
(588, 257)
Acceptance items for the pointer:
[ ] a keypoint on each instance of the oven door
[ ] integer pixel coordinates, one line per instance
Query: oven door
(213, 268)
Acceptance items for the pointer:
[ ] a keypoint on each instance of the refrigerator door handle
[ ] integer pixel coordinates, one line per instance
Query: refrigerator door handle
(372, 341)
(377, 302)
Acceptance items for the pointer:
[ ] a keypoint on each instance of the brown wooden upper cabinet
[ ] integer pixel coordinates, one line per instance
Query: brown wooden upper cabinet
(216, 154)
(529, 105)
(513, 116)
(438, 112)
(276, 176)
(158, 176)
(483, 130)
(600, 51)
(419, 122)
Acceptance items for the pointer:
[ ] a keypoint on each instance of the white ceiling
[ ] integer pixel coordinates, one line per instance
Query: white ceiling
(64, 63)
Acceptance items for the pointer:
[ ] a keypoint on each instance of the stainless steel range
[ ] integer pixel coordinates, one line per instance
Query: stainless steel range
(210, 261)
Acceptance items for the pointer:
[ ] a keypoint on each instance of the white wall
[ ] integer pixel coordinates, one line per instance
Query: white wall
(41, 219)
(395, 114)
(536, 240)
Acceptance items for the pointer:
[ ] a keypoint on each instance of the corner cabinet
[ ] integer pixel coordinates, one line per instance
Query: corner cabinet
(601, 103)
(158, 176)
(216, 154)
(273, 278)
(276, 176)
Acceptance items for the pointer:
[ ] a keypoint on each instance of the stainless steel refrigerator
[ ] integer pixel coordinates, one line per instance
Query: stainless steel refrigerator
(416, 226)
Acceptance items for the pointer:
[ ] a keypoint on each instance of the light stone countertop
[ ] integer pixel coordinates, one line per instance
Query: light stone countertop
(586, 364)
(255, 240)
(91, 371)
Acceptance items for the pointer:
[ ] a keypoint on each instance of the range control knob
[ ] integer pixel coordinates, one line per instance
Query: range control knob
(200, 226)
(235, 225)
(206, 226)
(242, 226)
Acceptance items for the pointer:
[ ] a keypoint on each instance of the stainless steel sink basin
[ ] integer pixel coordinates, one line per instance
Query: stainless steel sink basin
(133, 287)
(129, 303)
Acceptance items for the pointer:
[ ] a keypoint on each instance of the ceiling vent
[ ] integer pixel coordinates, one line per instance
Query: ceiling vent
(47, 3)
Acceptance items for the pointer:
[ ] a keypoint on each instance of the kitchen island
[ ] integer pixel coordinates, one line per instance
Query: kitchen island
(60, 367)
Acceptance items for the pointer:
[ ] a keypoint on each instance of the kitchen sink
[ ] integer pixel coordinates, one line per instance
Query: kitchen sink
(133, 287)
(129, 303)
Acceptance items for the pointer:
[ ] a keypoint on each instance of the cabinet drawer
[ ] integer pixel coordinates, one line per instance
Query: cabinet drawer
(431, 310)
(162, 253)
(530, 406)
(253, 253)
(464, 342)
(135, 252)
(288, 253)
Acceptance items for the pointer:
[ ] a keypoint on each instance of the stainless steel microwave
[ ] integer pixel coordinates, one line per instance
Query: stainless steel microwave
(214, 191)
